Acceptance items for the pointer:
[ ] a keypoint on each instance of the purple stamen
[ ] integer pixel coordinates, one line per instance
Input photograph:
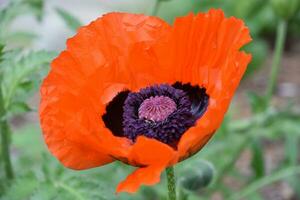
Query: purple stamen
(160, 111)
(156, 108)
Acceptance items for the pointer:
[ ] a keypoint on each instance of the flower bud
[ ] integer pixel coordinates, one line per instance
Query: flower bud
(198, 177)
(285, 8)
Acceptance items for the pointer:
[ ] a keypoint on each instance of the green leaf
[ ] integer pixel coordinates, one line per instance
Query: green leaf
(37, 6)
(17, 108)
(27, 85)
(19, 38)
(15, 9)
(257, 162)
(18, 68)
(291, 148)
(291, 155)
(71, 21)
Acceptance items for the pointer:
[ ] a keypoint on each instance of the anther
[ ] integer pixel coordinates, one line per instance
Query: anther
(156, 108)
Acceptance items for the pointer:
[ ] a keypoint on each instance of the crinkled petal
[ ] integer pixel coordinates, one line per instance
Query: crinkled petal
(149, 175)
(101, 60)
(196, 137)
(204, 50)
(127, 51)
(154, 157)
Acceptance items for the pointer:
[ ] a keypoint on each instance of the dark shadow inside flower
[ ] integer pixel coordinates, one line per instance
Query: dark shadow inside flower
(113, 118)
(198, 97)
(162, 112)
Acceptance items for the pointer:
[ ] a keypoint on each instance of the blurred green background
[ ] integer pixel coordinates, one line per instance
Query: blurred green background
(253, 156)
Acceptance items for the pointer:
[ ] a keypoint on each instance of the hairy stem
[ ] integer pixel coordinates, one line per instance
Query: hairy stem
(5, 150)
(4, 133)
(156, 7)
(279, 46)
(171, 183)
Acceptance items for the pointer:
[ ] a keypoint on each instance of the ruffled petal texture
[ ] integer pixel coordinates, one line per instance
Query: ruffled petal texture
(155, 157)
(129, 51)
(210, 58)
(108, 55)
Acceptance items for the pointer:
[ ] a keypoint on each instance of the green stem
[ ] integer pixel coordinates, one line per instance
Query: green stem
(5, 150)
(156, 7)
(4, 132)
(171, 183)
(279, 46)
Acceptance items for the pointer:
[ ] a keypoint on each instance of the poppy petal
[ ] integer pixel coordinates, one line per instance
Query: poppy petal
(200, 45)
(154, 156)
(145, 175)
(206, 47)
(100, 61)
(125, 41)
(127, 51)
(196, 137)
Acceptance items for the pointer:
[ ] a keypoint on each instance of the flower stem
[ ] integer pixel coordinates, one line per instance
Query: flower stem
(171, 183)
(4, 133)
(279, 46)
(156, 7)
(5, 150)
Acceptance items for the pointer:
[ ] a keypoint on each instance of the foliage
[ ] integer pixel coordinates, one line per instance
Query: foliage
(14, 10)
(22, 74)
(42, 177)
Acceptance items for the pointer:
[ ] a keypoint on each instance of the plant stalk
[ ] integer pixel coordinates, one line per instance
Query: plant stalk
(171, 183)
(4, 134)
(279, 46)
(156, 7)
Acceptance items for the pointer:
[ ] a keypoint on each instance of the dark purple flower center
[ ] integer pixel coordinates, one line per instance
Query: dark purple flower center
(156, 108)
(162, 112)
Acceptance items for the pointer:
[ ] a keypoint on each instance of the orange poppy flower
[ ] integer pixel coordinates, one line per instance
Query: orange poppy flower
(132, 88)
